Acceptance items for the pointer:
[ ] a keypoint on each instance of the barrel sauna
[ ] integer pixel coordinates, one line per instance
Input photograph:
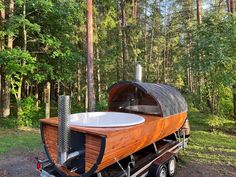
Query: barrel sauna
(163, 108)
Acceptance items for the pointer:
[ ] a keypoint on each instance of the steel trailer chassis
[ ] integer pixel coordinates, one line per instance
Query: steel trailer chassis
(159, 163)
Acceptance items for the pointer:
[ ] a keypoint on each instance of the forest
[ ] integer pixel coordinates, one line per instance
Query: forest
(188, 44)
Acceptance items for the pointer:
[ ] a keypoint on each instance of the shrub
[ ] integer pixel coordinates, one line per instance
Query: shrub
(215, 123)
(28, 114)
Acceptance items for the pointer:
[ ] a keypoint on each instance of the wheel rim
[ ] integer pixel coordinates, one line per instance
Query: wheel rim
(172, 167)
(163, 172)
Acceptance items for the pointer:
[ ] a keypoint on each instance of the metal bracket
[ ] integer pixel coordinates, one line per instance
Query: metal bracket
(121, 167)
(155, 148)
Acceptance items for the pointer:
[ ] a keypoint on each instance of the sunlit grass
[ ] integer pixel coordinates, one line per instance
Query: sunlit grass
(210, 147)
(27, 141)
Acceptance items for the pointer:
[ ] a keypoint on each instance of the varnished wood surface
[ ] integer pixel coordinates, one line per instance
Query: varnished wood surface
(92, 149)
(120, 142)
(50, 137)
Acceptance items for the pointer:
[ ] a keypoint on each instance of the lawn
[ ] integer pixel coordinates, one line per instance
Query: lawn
(211, 147)
(11, 140)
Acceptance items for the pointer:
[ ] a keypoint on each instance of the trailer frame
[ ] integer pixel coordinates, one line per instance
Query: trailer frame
(140, 168)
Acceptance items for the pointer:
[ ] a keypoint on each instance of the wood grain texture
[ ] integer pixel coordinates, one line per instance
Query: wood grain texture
(50, 137)
(122, 141)
(92, 149)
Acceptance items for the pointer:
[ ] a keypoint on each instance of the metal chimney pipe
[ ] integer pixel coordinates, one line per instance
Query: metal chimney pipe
(64, 110)
(138, 73)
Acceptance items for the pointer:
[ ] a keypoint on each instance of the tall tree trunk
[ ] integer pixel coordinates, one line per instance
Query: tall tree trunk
(24, 27)
(11, 12)
(231, 6)
(189, 34)
(47, 100)
(91, 94)
(234, 100)
(37, 95)
(2, 43)
(98, 78)
(5, 84)
(117, 69)
(164, 65)
(134, 9)
(199, 14)
(118, 47)
(124, 41)
(24, 48)
(5, 98)
(58, 88)
(151, 52)
(86, 92)
(164, 62)
(200, 79)
(228, 4)
(145, 41)
(78, 83)
(1, 103)
(2, 21)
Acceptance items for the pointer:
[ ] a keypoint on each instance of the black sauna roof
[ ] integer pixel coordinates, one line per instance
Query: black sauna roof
(170, 99)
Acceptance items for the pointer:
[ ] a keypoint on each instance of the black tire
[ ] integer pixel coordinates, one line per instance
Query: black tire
(162, 171)
(172, 167)
(157, 171)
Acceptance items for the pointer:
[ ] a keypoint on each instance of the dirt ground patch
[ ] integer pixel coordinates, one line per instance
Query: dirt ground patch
(22, 164)
(197, 169)
(19, 164)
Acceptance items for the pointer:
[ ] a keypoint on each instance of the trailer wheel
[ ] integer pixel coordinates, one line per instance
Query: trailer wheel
(162, 171)
(172, 166)
(157, 171)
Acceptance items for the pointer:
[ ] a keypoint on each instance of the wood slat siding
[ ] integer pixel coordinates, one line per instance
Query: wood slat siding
(92, 149)
(120, 142)
(125, 143)
(50, 136)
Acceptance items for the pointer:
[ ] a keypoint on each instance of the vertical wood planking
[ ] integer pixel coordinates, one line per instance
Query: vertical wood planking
(50, 136)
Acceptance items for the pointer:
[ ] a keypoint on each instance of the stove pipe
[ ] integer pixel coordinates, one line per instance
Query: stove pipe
(138, 73)
(64, 110)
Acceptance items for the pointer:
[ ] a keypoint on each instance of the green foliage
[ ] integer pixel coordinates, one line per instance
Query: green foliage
(215, 122)
(17, 64)
(28, 114)
(212, 61)
(102, 105)
(225, 102)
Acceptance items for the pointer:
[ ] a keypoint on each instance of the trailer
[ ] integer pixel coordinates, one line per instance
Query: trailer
(140, 135)
(156, 160)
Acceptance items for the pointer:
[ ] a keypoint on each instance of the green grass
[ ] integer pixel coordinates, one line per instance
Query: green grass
(211, 147)
(14, 139)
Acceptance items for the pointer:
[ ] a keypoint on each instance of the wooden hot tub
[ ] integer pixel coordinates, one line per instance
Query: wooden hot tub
(163, 108)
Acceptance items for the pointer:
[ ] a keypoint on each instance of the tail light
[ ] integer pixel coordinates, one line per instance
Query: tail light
(39, 166)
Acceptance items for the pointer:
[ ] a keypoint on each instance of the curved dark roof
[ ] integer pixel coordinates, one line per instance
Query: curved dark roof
(170, 99)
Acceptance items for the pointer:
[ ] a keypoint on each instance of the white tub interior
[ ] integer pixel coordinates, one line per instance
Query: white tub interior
(104, 119)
